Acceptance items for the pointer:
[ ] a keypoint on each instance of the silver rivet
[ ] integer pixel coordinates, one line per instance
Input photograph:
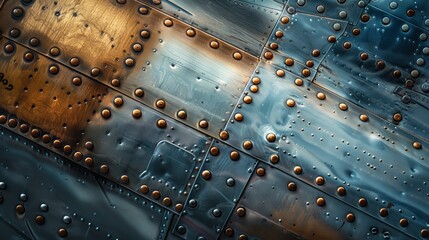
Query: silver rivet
(66, 219)
(336, 26)
(23, 197)
(420, 61)
(405, 28)
(393, 5)
(385, 20)
(230, 182)
(2, 185)
(216, 212)
(44, 207)
(320, 8)
(342, 14)
(423, 37)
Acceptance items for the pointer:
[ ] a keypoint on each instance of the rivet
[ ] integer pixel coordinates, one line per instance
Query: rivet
(284, 20)
(89, 162)
(206, 174)
(118, 101)
(214, 44)
(95, 71)
(3, 119)
(217, 213)
(305, 72)
(145, 34)
(309, 63)
(238, 117)
(74, 61)
(57, 143)
(28, 56)
(403, 222)
(364, 56)
(274, 46)
(224, 135)
(271, 137)
(77, 156)
(397, 117)
(410, 12)
(121, 1)
(9, 48)
(254, 88)
(384, 212)
(168, 22)
(237, 55)
(34, 42)
(350, 217)
(320, 180)
(229, 232)
(20, 209)
(230, 182)
(299, 82)
(105, 113)
(247, 144)
(156, 194)
(46, 138)
(347, 45)
(178, 207)
(12, 123)
(54, 51)
(234, 155)
(424, 233)
(365, 17)
(343, 106)
(144, 189)
(62, 232)
(89, 145)
(129, 62)
(396, 74)
(104, 169)
(242, 237)
(280, 73)
(143, 10)
(320, 202)
(160, 103)
(341, 191)
(417, 145)
(77, 81)
(274, 158)
(290, 102)
(137, 113)
(380, 64)
(181, 114)
(356, 31)
(362, 202)
(260, 172)
(181, 229)
(363, 118)
(268, 55)
(256, 80)
(137, 47)
(289, 62)
(40, 220)
(54, 69)
(190, 32)
(291, 186)
(24, 128)
(332, 39)
(315, 53)
(203, 124)
(125, 179)
(214, 151)
(279, 34)
(166, 201)
(297, 170)
(18, 12)
(115, 82)
(67, 149)
(161, 123)
(247, 99)
(321, 96)
(15, 33)
(139, 92)
(241, 212)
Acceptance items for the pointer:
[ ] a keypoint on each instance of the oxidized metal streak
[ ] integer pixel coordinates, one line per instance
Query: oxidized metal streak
(241, 119)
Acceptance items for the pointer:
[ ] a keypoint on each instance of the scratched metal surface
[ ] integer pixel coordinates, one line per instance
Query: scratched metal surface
(217, 119)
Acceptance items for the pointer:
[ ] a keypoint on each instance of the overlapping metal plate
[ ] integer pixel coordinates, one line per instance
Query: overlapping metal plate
(217, 119)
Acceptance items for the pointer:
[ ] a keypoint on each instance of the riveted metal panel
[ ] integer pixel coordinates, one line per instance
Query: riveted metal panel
(44, 196)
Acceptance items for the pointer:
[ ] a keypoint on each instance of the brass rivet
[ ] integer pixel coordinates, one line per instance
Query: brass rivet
(95, 71)
(24, 128)
(291, 186)
(321, 96)
(362, 202)
(137, 47)
(320, 180)
(115, 82)
(105, 113)
(315, 53)
(268, 55)
(143, 10)
(160, 103)
(237, 55)
(271, 137)
(289, 62)
(256, 80)
(40, 220)
(67, 149)
(297, 170)
(341, 191)
(57, 143)
(206, 174)
(234, 155)
(280, 73)
(285, 20)
(15, 32)
(62, 232)
(320, 202)
(118, 101)
(89, 145)
(104, 169)
(178, 207)
(214, 44)
(156, 2)
(129, 62)
(161, 123)
(166, 201)
(35, 133)
(145, 34)
(305, 72)
(20, 209)
(54, 69)
(247, 99)
(121, 1)
(224, 135)
(54, 51)
(260, 172)
(364, 56)
(77, 156)
(350, 217)
(332, 39)
(347, 45)
(274, 46)
(309, 63)
(168, 22)
(343, 106)
(181, 114)
(364, 17)
(298, 82)
(424, 233)
(214, 151)
(254, 88)
(3, 119)
(139, 92)
(241, 212)
(229, 232)
(384, 212)
(12, 123)
(290, 102)
(156, 194)
(34, 42)
(397, 117)
(144, 189)
(417, 145)
(89, 162)
(247, 144)
(238, 117)
(356, 31)
(203, 124)
(28, 56)
(77, 81)
(74, 61)
(410, 12)
(190, 32)
(125, 179)
(137, 113)
(46, 138)
(274, 158)
(279, 34)
(380, 64)
(396, 74)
